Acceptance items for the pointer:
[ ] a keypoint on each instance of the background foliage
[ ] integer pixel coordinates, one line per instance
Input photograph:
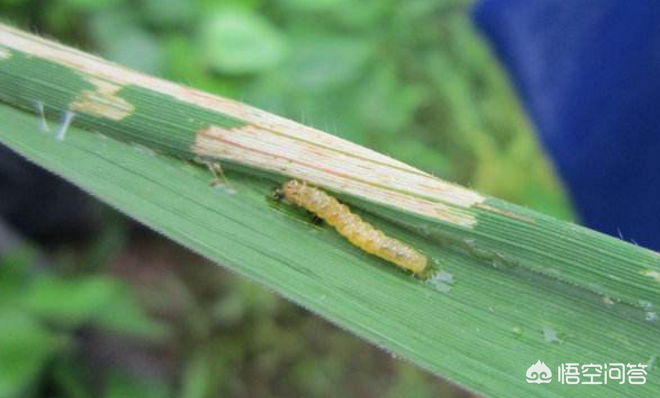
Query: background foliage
(409, 78)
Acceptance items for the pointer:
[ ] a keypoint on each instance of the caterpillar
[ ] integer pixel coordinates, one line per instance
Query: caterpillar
(353, 227)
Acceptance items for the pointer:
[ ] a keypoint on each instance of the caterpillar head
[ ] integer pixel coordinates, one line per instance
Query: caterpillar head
(293, 190)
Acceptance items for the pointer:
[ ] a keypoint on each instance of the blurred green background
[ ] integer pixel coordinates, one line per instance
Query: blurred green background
(123, 312)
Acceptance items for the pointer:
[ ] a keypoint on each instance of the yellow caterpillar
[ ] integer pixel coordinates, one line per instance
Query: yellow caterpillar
(352, 227)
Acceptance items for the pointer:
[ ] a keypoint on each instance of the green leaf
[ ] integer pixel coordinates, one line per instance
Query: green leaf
(169, 12)
(386, 105)
(25, 347)
(322, 63)
(13, 2)
(71, 302)
(119, 38)
(410, 383)
(91, 5)
(97, 300)
(483, 327)
(197, 376)
(315, 5)
(123, 47)
(235, 41)
(69, 374)
(14, 274)
(122, 385)
(124, 315)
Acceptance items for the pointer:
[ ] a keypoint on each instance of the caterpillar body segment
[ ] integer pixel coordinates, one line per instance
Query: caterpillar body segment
(353, 227)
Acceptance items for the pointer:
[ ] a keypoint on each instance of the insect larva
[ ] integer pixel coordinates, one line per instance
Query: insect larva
(352, 227)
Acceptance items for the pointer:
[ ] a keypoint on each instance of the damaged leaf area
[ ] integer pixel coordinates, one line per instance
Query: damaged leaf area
(103, 102)
(352, 173)
(4, 53)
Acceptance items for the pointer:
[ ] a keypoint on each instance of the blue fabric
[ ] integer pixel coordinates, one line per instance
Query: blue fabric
(588, 72)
